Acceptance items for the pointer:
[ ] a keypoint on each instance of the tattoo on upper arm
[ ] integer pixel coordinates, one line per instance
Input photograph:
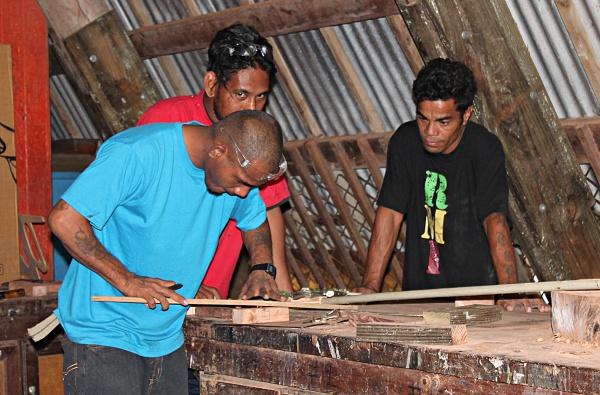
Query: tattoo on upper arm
(89, 246)
(64, 206)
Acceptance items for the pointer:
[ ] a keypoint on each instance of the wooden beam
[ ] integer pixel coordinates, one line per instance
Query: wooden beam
(69, 16)
(271, 18)
(581, 41)
(354, 82)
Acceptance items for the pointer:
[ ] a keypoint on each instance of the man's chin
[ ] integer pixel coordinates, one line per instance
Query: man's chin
(215, 192)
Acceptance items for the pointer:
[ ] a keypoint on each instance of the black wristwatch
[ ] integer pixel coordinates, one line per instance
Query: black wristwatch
(267, 267)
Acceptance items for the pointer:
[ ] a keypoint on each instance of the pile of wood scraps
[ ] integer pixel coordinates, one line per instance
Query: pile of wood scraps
(439, 326)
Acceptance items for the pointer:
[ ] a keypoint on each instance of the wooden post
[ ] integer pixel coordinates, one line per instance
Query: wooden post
(101, 62)
(550, 201)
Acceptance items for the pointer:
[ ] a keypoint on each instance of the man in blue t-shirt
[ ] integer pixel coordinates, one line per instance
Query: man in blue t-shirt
(133, 222)
(446, 178)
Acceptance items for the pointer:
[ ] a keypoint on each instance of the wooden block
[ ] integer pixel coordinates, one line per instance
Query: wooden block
(214, 312)
(466, 315)
(35, 288)
(483, 300)
(416, 332)
(260, 314)
(576, 316)
(356, 318)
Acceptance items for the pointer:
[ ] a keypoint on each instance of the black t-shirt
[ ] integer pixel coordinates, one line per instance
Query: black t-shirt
(457, 192)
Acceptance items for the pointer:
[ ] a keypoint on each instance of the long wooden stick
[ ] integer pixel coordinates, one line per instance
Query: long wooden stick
(571, 285)
(235, 302)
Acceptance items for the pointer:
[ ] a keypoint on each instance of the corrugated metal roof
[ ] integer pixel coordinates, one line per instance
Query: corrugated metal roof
(378, 60)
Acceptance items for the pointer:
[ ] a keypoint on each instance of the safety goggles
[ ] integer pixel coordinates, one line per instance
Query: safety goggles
(250, 50)
(245, 163)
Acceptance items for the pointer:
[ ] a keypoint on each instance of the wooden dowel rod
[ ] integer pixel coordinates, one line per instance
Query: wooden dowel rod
(571, 285)
(232, 302)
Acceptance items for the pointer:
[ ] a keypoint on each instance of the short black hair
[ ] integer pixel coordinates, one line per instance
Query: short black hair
(444, 79)
(225, 65)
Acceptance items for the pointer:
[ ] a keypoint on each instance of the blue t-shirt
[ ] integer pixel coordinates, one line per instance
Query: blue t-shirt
(149, 206)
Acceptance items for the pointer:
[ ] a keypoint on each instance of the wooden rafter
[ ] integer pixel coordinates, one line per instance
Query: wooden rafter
(271, 18)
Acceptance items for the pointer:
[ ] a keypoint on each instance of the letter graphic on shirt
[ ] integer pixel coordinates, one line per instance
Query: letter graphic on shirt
(435, 186)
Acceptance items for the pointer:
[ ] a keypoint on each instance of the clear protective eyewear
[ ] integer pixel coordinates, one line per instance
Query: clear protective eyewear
(245, 163)
(250, 50)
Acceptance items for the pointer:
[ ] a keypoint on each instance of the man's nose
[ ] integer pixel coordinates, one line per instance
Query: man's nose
(430, 129)
(241, 191)
(250, 104)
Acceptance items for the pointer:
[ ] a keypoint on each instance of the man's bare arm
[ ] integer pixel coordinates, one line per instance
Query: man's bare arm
(505, 262)
(277, 228)
(383, 240)
(260, 283)
(76, 234)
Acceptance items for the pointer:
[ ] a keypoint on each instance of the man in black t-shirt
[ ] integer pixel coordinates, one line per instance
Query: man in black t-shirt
(446, 177)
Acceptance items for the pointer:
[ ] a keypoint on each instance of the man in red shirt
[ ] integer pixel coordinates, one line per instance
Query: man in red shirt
(240, 69)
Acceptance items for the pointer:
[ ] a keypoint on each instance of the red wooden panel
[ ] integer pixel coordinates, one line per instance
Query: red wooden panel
(23, 26)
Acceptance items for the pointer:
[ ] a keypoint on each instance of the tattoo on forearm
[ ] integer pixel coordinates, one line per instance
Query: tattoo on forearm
(502, 239)
(89, 245)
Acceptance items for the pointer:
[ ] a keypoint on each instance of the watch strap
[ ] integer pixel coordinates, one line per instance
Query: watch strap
(267, 267)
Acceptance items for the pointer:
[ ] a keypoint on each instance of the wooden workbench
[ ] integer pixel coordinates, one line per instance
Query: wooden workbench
(516, 355)
(25, 367)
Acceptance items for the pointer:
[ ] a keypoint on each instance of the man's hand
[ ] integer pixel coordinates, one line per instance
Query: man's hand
(510, 302)
(152, 289)
(206, 292)
(261, 284)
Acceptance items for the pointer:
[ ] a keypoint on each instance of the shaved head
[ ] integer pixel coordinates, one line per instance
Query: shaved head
(257, 134)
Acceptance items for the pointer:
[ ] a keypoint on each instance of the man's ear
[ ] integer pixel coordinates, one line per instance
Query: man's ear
(218, 150)
(211, 83)
(467, 115)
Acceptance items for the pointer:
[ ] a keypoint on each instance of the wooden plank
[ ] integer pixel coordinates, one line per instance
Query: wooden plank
(227, 302)
(499, 289)
(293, 89)
(271, 18)
(562, 239)
(576, 316)
(51, 374)
(464, 315)
(416, 332)
(218, 384)
(354, 82)
(258, 315)
(581, 41)
(175, 78)
(410, 50)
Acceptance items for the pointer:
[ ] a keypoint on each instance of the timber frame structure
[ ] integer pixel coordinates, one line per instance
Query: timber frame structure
(334, 180)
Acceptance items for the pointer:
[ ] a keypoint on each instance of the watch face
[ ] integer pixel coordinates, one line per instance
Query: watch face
(271, 270)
